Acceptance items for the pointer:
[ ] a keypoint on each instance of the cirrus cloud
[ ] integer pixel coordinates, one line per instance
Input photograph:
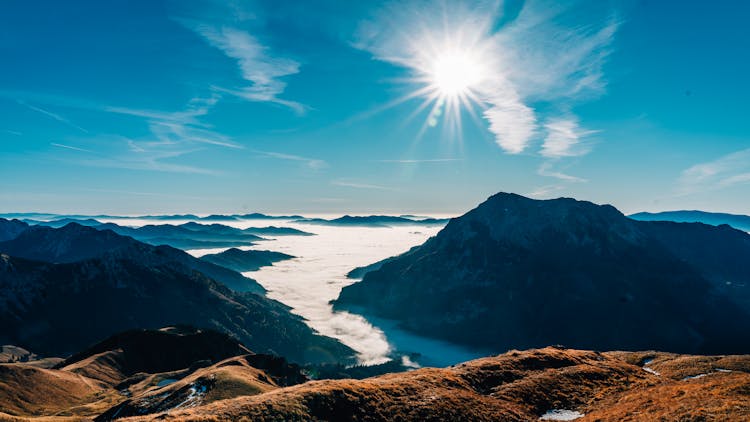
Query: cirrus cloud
(531, 59)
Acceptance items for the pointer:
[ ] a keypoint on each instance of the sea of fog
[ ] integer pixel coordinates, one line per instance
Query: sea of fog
(310, 281)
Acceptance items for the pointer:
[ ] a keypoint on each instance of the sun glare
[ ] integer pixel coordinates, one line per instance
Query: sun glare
(453, 68)
(451, 75)
(455, 74)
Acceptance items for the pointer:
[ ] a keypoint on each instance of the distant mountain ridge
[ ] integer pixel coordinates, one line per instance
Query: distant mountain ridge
(189, 235)
(74, 242)
(738, 221)
(212, 217)
(517, 273)
(374, 221)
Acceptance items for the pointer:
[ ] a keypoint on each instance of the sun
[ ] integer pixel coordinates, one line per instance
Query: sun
(452, 70)
(451, 79)
(455, 74)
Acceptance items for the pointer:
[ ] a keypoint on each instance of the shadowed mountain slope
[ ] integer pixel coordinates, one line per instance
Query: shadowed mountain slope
(518, 273)
(10, 229)
(56, 309)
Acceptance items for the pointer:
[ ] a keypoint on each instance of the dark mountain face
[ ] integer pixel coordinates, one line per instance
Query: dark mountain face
(56, 309)
(360, 272)
(720, 254)
(167, 349)
(239, 260)
(517, 273)
(10, 229)
(74, 242)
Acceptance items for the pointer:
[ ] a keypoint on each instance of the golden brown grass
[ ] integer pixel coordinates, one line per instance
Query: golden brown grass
(516, 386)
(30, 391)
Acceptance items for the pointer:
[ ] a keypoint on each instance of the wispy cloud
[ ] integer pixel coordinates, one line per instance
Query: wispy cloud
(258, 66)
(131, 157)
(54, 144)
(528, 61)
(137, 193)
(180, 127)
(52, 115)
(418, 161)
(547, 169)
(151, 163)
(313, 163)
(13, 132)
(729, 170)
(357, 185)
(565, 138)
(172, 134)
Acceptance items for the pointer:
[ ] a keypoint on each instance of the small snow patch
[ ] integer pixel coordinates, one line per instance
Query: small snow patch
(561, 415)
(692, 377)
(651, 371)
(718, 370)
(194, 398)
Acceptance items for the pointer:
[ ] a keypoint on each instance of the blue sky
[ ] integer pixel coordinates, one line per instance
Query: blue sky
(137, 107)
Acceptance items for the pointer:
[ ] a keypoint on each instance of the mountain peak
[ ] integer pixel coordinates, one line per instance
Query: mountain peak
(512, 217)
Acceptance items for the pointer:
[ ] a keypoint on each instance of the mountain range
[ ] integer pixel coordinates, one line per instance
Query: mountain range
(189, 235)
(519, 273)
(741, 222)
(74, 242)
(374, 221)
(213, 217)
(61, 289)
(514, 273)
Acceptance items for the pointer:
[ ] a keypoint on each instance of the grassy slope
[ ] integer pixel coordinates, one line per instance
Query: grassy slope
(516, 386)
